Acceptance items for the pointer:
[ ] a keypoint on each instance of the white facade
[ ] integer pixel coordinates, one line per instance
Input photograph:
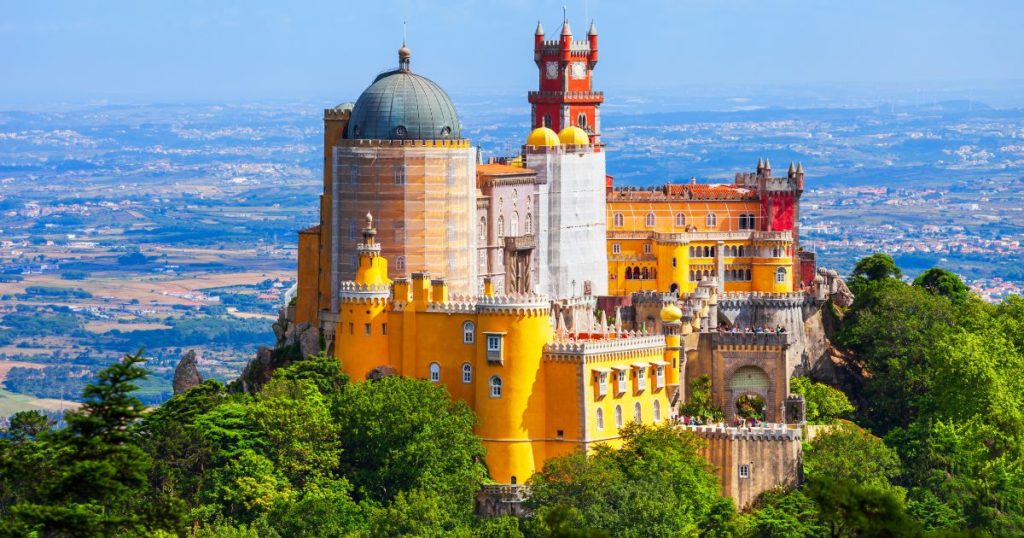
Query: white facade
(571, 230)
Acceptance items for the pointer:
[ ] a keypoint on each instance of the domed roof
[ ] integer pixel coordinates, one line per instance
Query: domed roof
(401, 105)
(671, 313)
(574, 136)
(542, 136)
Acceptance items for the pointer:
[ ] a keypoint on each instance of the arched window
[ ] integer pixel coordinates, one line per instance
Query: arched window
(515, 224)
(400, 264)
(482, 229)
(657, 411)
(581, 121)
(468, 332)
(529, 224)
(467, 372)
(501, 227)
(638, 415)
(600, 419)
(644, 274)
(435, 372)
(495, 385)
(515, 197)
(780, 275)
(618, 220)
(618, 416)
(680, 220)
(629, 274)
(747, 275)
(547, 120)
(650, 220)
(654, 272)
(712, 220)
(691, 275)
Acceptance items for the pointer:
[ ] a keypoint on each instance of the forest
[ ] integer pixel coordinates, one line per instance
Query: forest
(928, 443)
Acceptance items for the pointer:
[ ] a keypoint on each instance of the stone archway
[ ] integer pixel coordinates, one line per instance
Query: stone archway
(750, 380)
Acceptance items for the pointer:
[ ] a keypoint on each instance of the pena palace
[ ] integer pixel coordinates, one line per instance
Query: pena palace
(558, 306)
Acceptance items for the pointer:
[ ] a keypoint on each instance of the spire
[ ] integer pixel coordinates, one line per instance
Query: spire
(799, 168)
(760, 164)
(767, 164)
(593, 28)
(792, 167)
(540, 29)
(565, 23)
(369, 232)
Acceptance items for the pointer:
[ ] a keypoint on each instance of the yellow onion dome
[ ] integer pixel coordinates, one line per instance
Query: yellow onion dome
(542, 136)
(671, 313)
(573, 136)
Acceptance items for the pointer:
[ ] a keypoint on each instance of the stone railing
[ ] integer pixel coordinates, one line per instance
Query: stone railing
(748, 339)
(355, 290)
(630, 340)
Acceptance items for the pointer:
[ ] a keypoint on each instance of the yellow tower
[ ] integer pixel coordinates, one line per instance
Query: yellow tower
(361, 336)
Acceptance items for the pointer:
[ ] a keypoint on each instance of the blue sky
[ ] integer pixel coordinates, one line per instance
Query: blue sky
(224, 51)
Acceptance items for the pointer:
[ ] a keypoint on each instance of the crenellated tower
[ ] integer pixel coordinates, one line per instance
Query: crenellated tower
(565, 95)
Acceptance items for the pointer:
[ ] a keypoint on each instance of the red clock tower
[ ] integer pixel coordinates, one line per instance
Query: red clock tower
(566, 69)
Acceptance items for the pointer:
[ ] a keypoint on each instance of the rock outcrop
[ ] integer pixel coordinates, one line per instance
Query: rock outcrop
(186, 374)
(294, 341)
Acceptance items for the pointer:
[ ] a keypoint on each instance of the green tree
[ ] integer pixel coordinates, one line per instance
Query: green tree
(404, 435)
(699, 402)
(944, 283)
(784, 513)
(657, 484)
(848, 453)
(876, 267)
(29, 425)
(847, 508)
(100, 471)
(823, 404)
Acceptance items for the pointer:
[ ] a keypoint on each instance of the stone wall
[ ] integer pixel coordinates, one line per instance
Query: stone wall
(772, 457)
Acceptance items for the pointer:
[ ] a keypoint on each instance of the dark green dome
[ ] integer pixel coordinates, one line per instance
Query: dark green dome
(400, 105)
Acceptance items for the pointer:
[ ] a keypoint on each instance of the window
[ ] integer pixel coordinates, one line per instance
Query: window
(482, 230)
(647, 248)
(638, 415)
(435, 372)
(400, 175)
(621, 381)
(515, 224)
(581, 120)
(384, 329)
(399, 231)
(495, 385)
(659, 377)
(467, 373)
(493, 342)
(712, 220)
(747, 221)
(367, 329)
(650, 220)
(400, 264)
(468, 332)
(351, 328)
(600, 419)
(616, 248)
(618, 416)
(641, 378)
(529, 224)
(680, 220)
(673, 262)
(618, 220)
(657, 411)
(744, 471)
(515, 197)
(780, 275)
(547, 120)
(501, 227)
(602, 383)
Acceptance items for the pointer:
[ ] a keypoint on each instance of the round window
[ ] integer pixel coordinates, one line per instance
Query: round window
(446, 131)
(401, 132)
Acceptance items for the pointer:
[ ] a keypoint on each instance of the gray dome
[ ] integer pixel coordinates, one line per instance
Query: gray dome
(400, 105)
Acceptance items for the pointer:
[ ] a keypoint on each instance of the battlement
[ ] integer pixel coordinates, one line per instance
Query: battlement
(460, 143)
(542, 96)
(353, 291)
(743, 298)
(770, 432)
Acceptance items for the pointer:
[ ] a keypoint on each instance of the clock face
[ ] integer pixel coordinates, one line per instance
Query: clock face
(551, 70)
(579, 70)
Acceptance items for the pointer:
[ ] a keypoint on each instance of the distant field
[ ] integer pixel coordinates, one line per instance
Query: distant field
(249, 315)
(5, 366)
(11, 403)
(100, 327)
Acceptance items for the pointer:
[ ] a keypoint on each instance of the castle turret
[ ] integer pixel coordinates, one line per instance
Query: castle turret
(361, 336)
(592, 38)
